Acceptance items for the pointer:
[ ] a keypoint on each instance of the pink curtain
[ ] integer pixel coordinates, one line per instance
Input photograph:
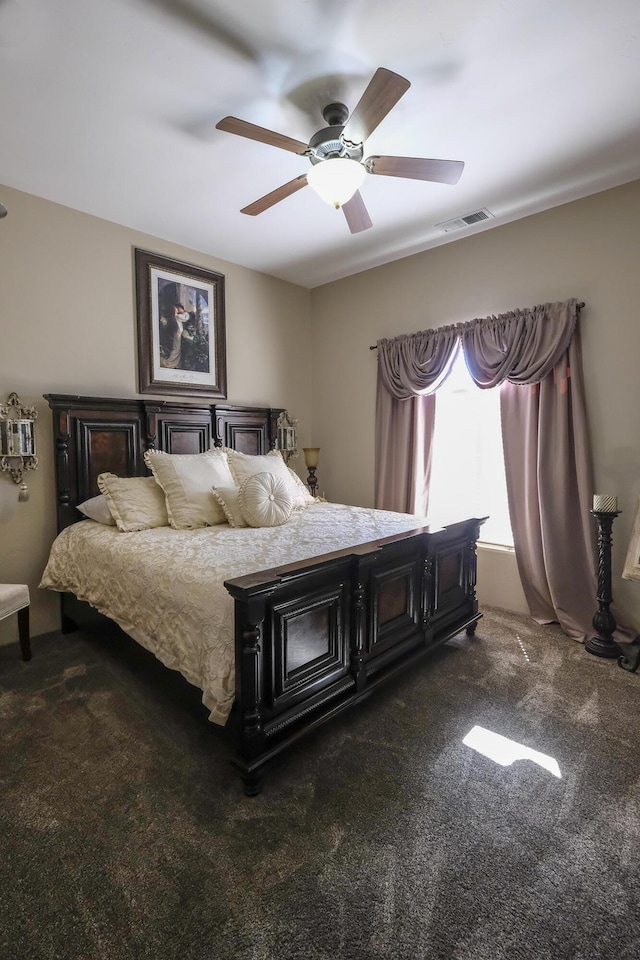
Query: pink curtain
(410, 368)
(535, 355)
(404, 431)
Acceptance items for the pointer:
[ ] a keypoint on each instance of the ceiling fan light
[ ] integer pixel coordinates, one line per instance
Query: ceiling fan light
(336, 179)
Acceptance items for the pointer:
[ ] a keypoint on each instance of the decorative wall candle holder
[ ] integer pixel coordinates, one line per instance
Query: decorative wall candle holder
(17, 441)
(287, 436)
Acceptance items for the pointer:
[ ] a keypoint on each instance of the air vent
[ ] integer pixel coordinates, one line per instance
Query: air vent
(467, 221)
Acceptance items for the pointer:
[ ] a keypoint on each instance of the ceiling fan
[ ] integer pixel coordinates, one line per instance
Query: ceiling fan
(336, 152)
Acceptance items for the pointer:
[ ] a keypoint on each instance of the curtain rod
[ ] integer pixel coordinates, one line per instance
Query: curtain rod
(579, 305)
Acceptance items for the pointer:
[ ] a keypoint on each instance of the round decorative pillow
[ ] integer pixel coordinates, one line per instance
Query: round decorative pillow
(265, 500)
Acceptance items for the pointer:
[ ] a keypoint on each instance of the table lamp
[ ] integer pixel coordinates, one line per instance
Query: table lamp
(311, 455)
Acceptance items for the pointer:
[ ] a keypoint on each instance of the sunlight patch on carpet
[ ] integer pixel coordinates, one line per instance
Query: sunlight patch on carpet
(504, 751)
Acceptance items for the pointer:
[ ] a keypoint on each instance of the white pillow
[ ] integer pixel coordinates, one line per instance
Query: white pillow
(265, 500)
(244, 465)
(135, 503)
(187, 479)
(97, 509)
(228, 498)
(303, 491)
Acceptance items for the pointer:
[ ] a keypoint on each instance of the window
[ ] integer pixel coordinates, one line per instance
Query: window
(467, 470)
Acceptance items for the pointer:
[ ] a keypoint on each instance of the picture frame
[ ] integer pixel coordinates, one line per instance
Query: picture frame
(632, 563)
(181, 327)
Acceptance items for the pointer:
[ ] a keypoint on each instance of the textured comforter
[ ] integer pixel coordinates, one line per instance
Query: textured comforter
(164, 587)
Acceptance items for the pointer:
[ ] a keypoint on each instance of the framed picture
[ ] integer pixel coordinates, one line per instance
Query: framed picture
(181, 327)
(632, 563)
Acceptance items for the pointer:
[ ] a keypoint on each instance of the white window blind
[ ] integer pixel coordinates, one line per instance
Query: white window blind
(467, 474)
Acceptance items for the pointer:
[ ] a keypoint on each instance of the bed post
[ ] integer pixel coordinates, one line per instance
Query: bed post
(473, 576)
(151, 437)
(358, 632)
(249, 671)
(63, 483)
(427, 596)
(62, 438)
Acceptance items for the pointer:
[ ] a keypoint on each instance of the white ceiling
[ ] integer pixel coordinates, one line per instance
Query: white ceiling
(110, 106)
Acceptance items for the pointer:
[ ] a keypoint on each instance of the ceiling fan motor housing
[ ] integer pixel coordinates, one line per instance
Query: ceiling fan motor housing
(335, 114)
(327, 143)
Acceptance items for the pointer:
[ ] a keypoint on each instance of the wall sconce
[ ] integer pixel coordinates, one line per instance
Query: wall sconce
(17, 441)
(287, 439)
(311, 457)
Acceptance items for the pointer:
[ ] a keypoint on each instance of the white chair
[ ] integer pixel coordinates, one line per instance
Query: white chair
(14, 598)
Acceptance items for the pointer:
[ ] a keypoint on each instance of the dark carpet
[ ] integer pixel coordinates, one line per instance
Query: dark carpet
(125, 832)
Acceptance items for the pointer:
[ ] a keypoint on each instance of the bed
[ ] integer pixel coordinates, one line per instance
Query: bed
(281, 627)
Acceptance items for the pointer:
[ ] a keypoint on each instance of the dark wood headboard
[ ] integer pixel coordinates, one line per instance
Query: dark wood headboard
(95, 435)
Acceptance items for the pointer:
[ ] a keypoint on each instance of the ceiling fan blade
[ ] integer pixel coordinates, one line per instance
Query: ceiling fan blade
(384, 90)
(281, 193)
(356, 214)
(416, 168)
(243, 129)
(209, 25)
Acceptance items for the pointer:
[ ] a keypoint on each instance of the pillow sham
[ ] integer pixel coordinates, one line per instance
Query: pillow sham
(303, 490)
(187, 479)
(265, 500)
(228, 498)
(97, 509)
(244, 465)
(135, 503)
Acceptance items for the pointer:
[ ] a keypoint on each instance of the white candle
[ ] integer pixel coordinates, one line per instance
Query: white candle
(603, 503)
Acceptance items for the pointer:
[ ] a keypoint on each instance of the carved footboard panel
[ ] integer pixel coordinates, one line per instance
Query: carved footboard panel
(314, 638)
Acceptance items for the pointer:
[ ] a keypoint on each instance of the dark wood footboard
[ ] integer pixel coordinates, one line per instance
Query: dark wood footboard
(314, 638)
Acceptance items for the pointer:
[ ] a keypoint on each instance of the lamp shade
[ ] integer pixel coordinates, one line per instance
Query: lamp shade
(336, 179)
(311, 456)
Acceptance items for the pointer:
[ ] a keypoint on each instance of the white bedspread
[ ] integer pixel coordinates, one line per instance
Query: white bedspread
(164, 587)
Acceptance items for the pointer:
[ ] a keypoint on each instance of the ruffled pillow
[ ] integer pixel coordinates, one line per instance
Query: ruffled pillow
(304, 497)
(244, 465)
(135, 503)
(229, 500)
(187, 479)
(265, 500)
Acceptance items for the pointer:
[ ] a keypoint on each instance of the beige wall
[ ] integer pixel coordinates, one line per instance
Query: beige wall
(587, 249)
(68, 326)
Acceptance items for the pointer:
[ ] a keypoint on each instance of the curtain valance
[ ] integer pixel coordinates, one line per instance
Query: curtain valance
(522, 346)
(416, 364)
